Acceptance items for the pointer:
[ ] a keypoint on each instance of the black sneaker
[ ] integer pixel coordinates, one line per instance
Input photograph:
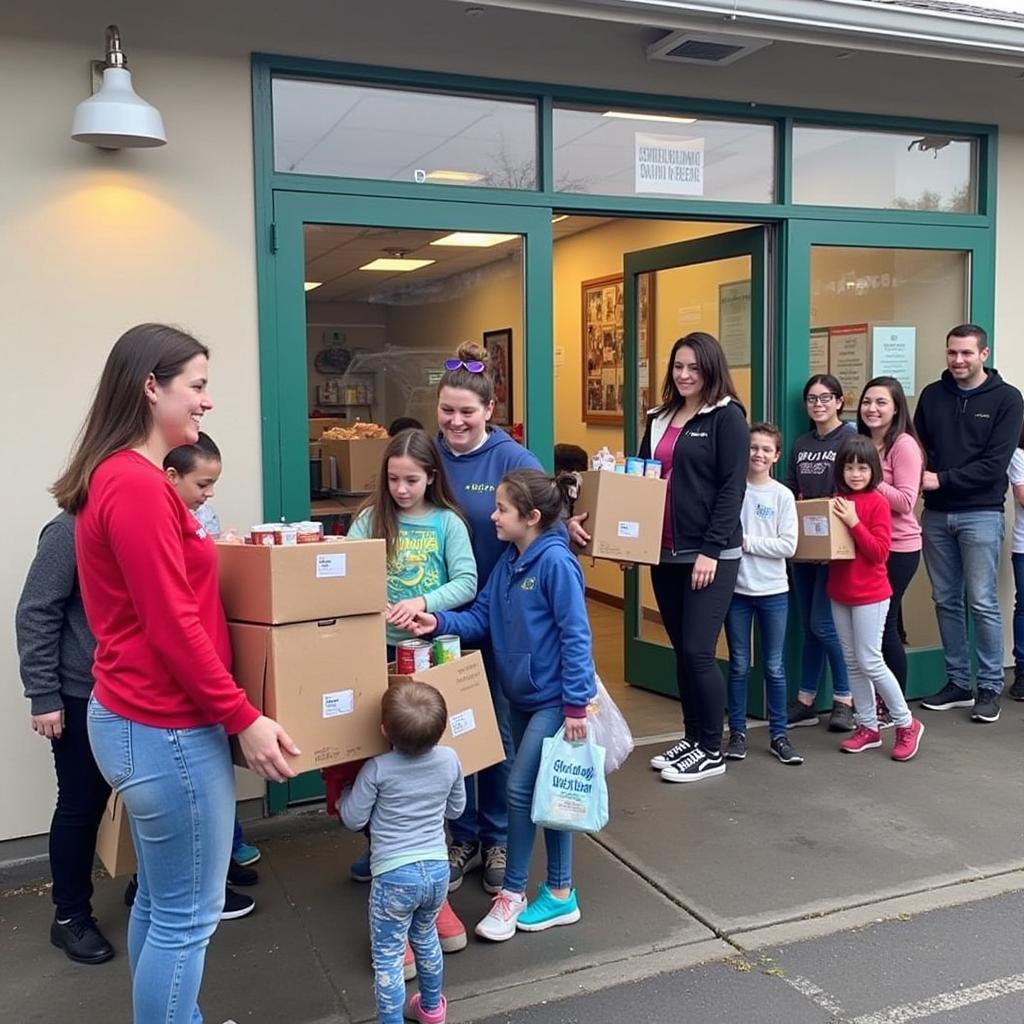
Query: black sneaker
(661, 761)
(462, 858)
(130, 890)
(783, 750)
(986, 707)
(798, 714)
(81, 940)
(493, 874)
(949, 697)
(236, 905)
(737, 748)
(841, 719)
(1016, 691)
(696, 765)
(238, 874)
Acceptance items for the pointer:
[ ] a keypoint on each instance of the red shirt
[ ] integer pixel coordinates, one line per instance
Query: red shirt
(148, 574)
(864, 579)
(663, 452)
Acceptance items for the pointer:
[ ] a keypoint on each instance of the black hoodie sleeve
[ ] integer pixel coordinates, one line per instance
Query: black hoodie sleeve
(979, 474)
(645, 445)
(732, 455)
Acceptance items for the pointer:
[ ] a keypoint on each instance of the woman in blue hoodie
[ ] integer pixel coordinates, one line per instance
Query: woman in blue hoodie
(476, 456)
(534, 611)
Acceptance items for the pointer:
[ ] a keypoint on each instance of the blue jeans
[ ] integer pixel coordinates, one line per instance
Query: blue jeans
(485, 819)
(820, 638)
(404, 904)
(1018, 614)
(771, 612)
(179, 790)
(961, 552)
(529, 730)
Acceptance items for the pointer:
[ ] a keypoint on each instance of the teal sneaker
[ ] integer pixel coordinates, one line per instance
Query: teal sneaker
(546, 911)
(245, 854)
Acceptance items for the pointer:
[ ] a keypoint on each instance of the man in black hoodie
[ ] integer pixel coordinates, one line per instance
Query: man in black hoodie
(969, 423)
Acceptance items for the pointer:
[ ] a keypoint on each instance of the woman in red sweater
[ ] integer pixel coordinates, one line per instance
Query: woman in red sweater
(164, 701)
(859, 590)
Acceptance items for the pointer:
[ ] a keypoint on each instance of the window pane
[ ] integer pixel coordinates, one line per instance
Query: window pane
(622, 153)
(360, 131)
(884, 170)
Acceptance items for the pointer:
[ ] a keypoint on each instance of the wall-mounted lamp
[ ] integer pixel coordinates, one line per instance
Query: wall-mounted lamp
(114, 117)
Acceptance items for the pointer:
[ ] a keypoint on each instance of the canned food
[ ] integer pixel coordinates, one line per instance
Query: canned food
(263, 534)
(446, 648)
(286, 535)
(412, 656)
(309, 532)
(652, 468)
(634, 466)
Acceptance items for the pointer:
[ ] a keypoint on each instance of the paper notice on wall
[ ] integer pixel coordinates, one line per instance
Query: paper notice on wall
(669, 165)
(848, 360)
(817, 361)
(894, 353)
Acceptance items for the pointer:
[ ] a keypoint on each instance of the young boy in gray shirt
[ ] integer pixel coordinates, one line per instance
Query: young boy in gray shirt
(405, 796)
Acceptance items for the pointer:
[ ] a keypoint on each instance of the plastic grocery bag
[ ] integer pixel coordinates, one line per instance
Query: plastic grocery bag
(609, 729)
(570, 793)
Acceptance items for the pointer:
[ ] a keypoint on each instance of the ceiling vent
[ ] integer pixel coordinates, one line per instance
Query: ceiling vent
(704, 48)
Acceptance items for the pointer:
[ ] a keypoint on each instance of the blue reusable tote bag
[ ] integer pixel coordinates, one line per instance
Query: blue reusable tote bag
(571, 794)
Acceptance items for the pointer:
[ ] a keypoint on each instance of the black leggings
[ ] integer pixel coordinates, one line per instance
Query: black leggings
(81, 797)
(693, 620)
(901, 567)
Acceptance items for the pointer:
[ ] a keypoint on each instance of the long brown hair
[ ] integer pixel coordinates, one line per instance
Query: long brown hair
(380, 506)
(713, 367)
(902, 422)
(481, 384)
(120, 416)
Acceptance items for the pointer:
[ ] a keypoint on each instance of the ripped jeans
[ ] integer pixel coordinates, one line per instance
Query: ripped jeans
(404, 904)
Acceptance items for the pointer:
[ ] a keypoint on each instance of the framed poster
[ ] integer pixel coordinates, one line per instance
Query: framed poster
(499, 348)
(603, 344)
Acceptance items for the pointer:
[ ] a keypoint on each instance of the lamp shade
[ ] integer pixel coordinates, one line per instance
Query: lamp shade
(116, 118)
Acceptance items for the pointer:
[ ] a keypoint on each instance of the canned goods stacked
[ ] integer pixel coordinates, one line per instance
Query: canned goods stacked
(416, 655)
(286, 534)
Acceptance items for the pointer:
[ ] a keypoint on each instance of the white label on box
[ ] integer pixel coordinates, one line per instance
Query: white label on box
(462, 722)
(330, 567)
(341, 702)
(816, 526)
(629, 529)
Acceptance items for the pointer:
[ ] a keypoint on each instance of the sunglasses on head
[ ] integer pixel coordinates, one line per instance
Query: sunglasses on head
(474, 365)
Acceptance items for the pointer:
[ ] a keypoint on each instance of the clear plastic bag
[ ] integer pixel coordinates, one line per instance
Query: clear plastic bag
(609, 728)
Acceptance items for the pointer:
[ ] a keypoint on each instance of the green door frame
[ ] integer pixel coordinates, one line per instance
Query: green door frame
(648, 664)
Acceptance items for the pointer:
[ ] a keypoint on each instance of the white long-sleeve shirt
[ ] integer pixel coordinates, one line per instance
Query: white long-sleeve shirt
(768, 518)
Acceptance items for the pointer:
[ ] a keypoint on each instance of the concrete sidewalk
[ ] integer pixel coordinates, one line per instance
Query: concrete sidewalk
(763, 856)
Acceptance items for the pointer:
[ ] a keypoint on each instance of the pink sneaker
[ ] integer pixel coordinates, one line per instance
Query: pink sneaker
(450, 930)
(862, 739)
(416, 1012)
(908, 739)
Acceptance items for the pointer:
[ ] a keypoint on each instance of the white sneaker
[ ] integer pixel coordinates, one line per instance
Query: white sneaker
(661, 761)
(696, 765)
(500, 922)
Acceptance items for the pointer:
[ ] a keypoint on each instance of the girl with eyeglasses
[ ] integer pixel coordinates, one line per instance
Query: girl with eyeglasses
(809, 475)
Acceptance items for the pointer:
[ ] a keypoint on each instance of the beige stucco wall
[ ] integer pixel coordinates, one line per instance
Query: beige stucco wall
(92, 242)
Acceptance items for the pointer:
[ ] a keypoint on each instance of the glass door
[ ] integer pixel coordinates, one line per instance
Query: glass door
(714, 284)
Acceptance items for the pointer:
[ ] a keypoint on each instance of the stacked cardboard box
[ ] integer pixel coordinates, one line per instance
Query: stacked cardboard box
(307, 632)
(624, 516)
(351, 466)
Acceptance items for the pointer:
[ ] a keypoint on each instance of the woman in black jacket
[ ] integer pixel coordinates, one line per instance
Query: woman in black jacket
(700, 435)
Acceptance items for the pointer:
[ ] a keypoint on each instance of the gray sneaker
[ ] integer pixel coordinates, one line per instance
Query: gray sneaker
(841, 719)
(1016, 691)
(462, 858)
(798, 714)
(737, 748)
(986, 707)
(493, 874)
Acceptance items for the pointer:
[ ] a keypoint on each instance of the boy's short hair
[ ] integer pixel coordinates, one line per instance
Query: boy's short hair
(771, 430)
(414, 717)
(570, 458)
(183, 459)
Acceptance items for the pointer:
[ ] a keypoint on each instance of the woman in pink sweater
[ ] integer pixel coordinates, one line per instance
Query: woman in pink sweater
(883, 415)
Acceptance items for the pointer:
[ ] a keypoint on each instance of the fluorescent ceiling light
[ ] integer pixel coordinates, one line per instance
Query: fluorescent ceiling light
(396, 263)
(559, 217)
(463, 177)
(477, 239)
(310, 285)
(629, 115)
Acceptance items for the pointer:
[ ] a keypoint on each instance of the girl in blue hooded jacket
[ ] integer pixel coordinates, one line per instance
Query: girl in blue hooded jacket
(534, 612)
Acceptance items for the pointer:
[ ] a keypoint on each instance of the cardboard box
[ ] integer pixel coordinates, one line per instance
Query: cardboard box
(822, 536)
(356, 464)
(321, 681)
(302, 582)
(472, 727)
(114, 845)
(318, 424)
(625, 516)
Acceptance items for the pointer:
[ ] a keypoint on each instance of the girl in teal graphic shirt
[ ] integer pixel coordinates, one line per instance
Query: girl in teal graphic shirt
(430, 558)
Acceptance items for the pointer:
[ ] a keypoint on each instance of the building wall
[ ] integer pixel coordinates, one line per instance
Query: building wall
(93, 242)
